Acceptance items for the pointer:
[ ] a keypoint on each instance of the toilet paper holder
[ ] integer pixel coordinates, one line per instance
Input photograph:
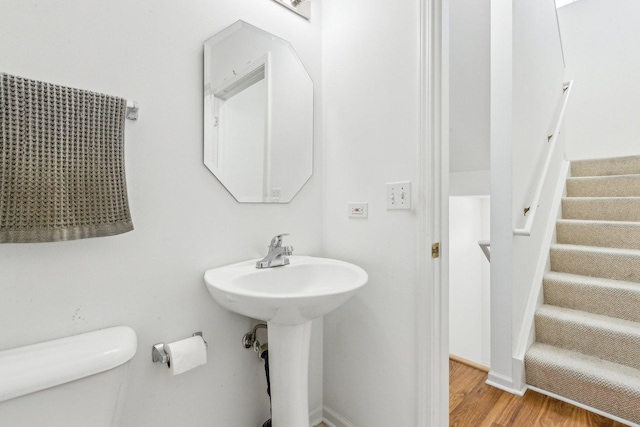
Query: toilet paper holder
(158, 353)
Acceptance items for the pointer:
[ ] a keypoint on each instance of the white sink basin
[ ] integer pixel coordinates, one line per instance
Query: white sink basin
(287, 298)
(293, 294)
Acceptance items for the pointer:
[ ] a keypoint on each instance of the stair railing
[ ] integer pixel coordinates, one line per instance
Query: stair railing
(530, 212)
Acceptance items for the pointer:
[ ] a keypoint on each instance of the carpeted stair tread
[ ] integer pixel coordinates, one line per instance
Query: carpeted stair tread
(587, 345)
(612, 234)
(607, 297)
(601, 208)
(604, 385)
(611, 166)
(588, 333)
(609, 263)
(604, 186)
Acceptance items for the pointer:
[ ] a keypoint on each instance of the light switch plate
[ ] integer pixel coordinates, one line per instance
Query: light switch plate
(399, 195)
(358, 210)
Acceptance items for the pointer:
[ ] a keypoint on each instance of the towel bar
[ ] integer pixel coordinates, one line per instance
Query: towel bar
(132, 110)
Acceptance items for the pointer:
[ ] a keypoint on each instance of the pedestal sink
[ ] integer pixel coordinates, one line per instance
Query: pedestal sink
(288, 298)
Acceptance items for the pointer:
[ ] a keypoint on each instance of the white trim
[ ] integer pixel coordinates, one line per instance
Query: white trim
(332, 419)
(432, 305)
(315, 416)
(527, 330)
(564, 63)
(471, 363)
(580, 405)
(504, 383)
(531, 215)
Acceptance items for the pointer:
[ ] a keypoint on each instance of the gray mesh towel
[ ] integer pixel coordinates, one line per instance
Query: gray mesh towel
(61, 163)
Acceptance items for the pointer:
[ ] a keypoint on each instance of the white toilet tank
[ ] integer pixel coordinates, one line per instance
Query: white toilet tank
(77, 381)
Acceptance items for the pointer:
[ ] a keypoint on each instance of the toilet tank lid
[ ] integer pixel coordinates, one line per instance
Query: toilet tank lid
(36, 367)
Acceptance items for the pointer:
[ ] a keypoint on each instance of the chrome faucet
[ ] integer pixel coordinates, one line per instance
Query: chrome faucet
(277, 255)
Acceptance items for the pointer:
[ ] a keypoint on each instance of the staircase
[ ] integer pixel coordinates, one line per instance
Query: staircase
(587, 345)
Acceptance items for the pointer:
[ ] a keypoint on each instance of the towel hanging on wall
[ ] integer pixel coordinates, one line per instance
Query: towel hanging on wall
(61, 163)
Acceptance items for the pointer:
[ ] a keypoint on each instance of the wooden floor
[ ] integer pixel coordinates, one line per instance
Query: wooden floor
(472, 403)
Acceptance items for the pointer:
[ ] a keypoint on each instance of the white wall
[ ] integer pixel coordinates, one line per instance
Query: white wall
(538, 77)
(526, 87)
(470, 30)
(472, 183)
(603, 58)
(185, 221)
(241, 142)
(371, 83)
(469, 309)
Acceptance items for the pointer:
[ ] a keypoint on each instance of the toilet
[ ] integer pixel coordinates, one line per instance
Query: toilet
(77, 381)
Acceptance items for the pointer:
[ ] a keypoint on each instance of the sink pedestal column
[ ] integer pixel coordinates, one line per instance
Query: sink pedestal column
(289, 374)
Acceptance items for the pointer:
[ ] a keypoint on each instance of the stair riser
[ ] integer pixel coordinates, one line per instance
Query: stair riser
(610, 266)
(594, 340)
(582, 388)
(579, 353)
(600, 167)
(622, 236)
(601, 209)
(607, 301)
(614, 186)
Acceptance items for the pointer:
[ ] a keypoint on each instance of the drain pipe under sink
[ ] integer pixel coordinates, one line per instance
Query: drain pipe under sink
(249, 340)
(264, 354)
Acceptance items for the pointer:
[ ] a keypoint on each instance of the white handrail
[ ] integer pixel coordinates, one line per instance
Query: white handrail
(526, 231)
(564, 63)
(485, 245)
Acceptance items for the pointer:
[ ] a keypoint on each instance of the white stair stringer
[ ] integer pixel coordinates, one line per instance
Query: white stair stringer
(587, 348)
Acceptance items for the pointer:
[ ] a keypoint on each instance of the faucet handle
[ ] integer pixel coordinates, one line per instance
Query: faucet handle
(276, 242)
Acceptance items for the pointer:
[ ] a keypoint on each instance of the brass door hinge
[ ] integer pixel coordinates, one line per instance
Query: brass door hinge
(435, 250)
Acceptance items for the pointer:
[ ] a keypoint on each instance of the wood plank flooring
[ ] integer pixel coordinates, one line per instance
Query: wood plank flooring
(472, 403)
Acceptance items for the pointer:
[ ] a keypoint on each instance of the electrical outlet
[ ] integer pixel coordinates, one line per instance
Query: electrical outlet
(358, 210)
(399, 195)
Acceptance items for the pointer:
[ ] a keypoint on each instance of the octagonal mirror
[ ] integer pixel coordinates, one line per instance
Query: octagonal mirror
(258, 115)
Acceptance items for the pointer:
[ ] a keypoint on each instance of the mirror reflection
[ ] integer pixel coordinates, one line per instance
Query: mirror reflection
(258, 106)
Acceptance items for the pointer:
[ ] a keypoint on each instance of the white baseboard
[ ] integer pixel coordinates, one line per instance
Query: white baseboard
(315, 417)
(504, 383)
(332, 419)
(475, 365)
(580, 405)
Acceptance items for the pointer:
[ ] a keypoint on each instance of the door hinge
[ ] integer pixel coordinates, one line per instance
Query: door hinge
(435, 250)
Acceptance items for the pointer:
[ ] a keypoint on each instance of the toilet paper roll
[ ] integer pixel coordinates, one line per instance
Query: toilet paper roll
(186, 354)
